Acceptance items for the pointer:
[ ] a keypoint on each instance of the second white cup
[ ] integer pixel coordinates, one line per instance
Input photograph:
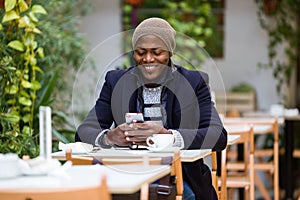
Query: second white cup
(161, 141)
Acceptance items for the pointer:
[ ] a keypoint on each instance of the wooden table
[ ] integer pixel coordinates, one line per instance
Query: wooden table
(186, 155)
(82, 176)
(231, 123)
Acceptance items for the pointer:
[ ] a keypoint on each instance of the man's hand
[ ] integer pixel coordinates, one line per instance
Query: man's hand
(134, 133)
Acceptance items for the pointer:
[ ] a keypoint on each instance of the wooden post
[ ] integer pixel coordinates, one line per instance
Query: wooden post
(298, 68)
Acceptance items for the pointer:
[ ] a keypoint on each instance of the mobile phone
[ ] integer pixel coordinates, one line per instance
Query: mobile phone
(134, 117)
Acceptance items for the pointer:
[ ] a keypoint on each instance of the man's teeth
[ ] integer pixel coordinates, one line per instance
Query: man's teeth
(149, 67)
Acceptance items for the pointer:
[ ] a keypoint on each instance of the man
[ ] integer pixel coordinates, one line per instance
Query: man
(174, 100)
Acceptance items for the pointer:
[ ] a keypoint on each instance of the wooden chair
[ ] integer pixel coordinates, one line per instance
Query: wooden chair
(214, 173)
(219, 182)
(266, 158)
(235, 103)
(237, 173)
(263, 161)
(176, 168)
(99, 192)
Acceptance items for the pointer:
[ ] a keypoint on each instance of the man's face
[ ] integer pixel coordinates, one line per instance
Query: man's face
(151, 57)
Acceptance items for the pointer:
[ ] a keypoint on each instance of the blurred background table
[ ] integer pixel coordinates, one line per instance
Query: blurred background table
(118, 181)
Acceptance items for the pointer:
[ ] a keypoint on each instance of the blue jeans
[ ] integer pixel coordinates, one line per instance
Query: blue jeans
(188, 194)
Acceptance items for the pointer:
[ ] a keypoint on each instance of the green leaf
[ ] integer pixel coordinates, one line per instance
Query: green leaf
(34, 44)
(40, 51)
(13, 118)
(33, 17)
(38, 69)
(11, 15)
(198, 30)
(23, 5)
(35, 85)
(59, 136)
(12, 89)
(26, 130)
(25, 101)
(9, 4)
(33, 61)
(26, 118)
(208, 31)
(36, 30)
(24, 93)
(17, 45)
(21, 23)
(1, 27)
(26, 84)
(47, 89)
(38, 9)
(11, 101)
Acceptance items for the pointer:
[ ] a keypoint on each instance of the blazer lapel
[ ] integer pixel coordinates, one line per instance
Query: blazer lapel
(124, 97)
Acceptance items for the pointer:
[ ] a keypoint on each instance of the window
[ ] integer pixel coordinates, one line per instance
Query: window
(202, 20)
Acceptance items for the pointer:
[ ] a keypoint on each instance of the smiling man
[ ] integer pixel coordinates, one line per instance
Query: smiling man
(174, 100)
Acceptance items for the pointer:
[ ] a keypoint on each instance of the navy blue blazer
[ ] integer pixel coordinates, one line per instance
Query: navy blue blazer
(189, 110)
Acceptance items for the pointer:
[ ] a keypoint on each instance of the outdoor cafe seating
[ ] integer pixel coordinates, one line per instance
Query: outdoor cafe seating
(236, 168)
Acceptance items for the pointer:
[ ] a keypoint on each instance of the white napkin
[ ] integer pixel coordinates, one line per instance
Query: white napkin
(77, 147)
(38, 166)
(9, 165)
(291, 112)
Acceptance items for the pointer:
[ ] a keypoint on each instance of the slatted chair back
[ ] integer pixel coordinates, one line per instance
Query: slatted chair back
(239, 173)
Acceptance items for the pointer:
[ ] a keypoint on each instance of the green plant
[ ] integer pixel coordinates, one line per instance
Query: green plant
(39, 75)
(20, 76)
(196, 20)
(243, 87)
(282, 27)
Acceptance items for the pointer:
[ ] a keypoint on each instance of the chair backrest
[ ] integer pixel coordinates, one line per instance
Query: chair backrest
(243, 169)
(238, 102)
(99, 192)
(247, 140)
(174, 161)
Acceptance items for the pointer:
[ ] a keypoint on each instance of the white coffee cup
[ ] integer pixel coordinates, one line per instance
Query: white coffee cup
(160, 141)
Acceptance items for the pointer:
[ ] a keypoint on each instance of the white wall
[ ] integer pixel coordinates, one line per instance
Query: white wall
(101, 29)
(245, 45)
(103, 22)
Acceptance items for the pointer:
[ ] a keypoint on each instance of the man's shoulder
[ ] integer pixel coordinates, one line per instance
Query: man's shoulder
(117, 73)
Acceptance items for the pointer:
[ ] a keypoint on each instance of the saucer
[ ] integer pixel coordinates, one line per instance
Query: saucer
(168, 149)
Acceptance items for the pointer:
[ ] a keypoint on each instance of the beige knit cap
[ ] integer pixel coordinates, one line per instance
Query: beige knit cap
(157, 27)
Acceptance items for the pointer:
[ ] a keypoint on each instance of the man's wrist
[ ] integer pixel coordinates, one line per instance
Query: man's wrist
(106, 140)
(103, 141)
